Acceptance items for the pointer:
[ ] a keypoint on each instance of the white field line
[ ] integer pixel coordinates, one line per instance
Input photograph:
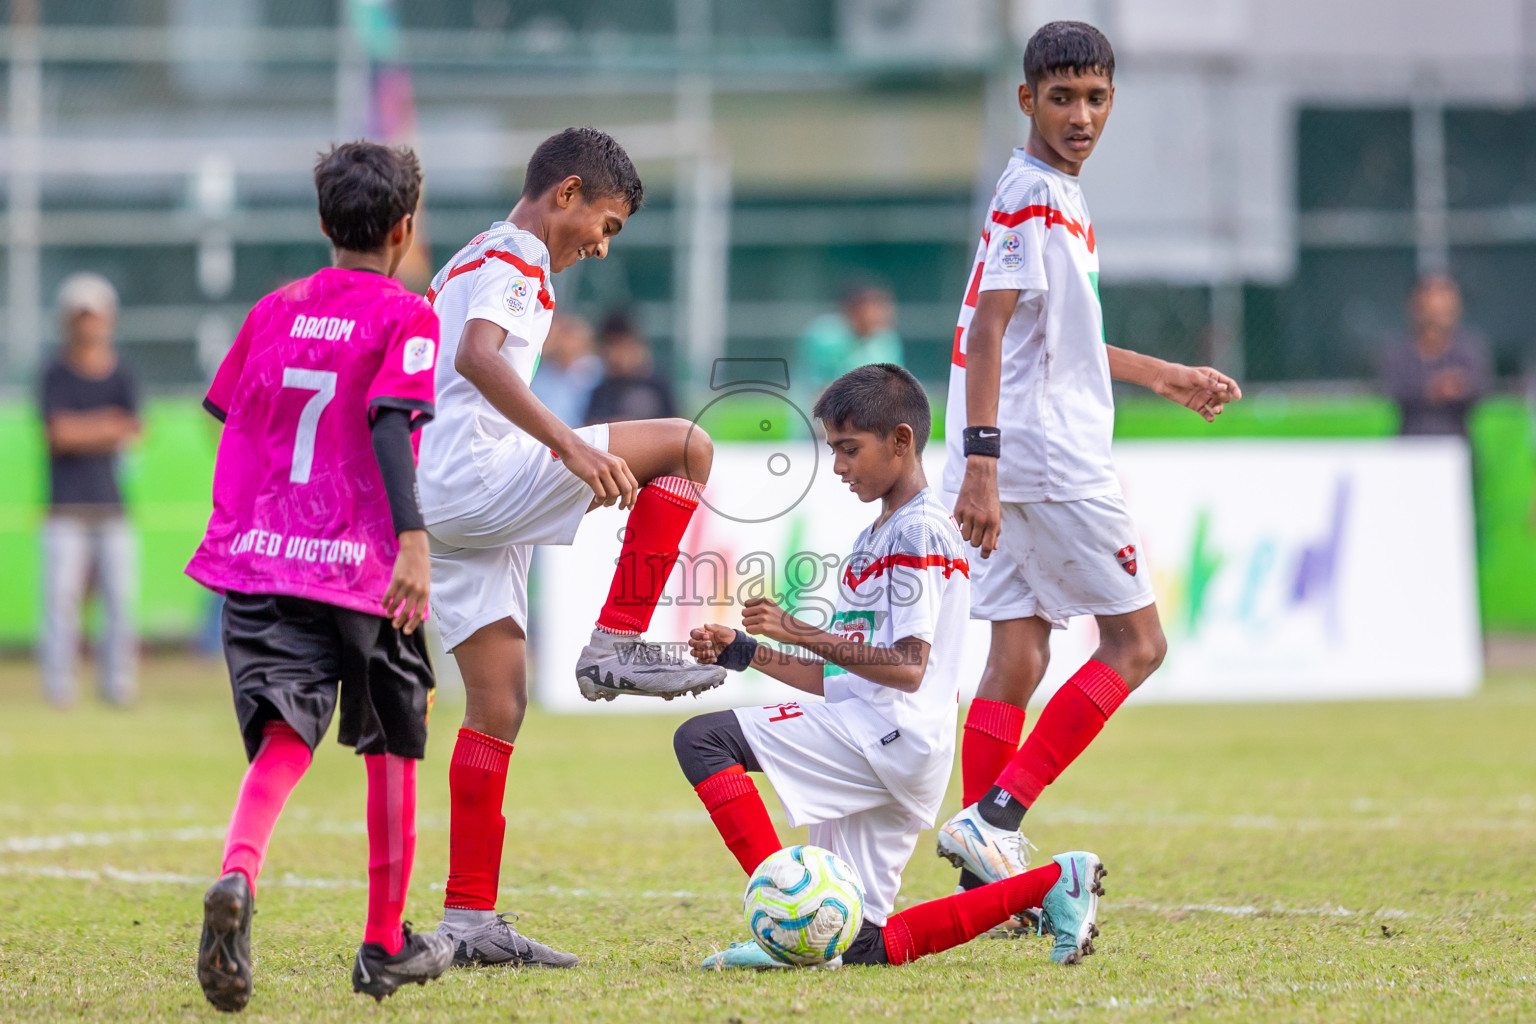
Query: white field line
(1269, 822)
(1251, 910)
(302, 824)
(68, 840)
(107, 873)
(289, 880)
(299, 824)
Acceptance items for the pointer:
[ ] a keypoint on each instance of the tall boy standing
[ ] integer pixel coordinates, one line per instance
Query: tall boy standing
(866, 769)
(501, 473)
(1031, 415)
(316, 542)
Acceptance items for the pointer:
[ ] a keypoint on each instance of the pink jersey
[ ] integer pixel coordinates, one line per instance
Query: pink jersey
(298, 501)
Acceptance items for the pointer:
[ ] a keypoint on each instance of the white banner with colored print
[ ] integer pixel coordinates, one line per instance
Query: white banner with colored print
(1284, 570)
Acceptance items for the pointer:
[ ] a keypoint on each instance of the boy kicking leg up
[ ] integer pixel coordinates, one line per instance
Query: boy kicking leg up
(501, 473)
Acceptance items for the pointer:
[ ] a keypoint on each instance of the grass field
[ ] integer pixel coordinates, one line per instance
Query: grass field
(1291, 863)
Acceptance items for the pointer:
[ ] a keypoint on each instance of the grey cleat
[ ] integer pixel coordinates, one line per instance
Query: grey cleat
(611, 665)
(482, 937)
(424, 956)
(224, 952)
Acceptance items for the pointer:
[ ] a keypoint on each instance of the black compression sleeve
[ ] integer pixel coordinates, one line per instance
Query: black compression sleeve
(709, 744)
(397, 464)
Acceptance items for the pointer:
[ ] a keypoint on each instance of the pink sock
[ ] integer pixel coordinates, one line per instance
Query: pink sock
(391, 845)
(279, 764)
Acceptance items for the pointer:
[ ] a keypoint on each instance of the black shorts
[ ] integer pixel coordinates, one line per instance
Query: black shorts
(287, 656)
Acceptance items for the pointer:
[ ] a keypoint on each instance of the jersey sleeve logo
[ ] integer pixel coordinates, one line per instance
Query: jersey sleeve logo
(518, 293)
(418, 355)
(1012, 248)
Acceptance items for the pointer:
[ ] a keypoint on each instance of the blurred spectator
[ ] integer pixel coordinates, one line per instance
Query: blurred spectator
(1437, 375)
(90, 410)
(568, 369)
(862, 332)
(630, 388)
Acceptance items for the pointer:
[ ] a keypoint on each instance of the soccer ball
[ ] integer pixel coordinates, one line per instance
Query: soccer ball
(804, 905)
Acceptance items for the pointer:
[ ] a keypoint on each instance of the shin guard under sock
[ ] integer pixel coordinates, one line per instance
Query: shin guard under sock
(391, 845)
(651, 538)
(991, 738)
(736, 808)
(477, 781)
(279, 764)
(944, 923)
(1069, 722)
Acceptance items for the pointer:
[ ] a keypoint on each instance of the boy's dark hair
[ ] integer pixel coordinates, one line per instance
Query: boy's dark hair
(1075, 47)
(364, 189)
(593, 156)
(876, 398)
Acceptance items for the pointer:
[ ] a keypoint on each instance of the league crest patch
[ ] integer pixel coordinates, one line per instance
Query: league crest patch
(1012, 251)
(418, 355)
(517, 295)
(1126, 556)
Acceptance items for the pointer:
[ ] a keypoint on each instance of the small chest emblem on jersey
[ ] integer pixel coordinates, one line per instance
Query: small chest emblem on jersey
(1126, 556)
(1013, 251)
(418, 355)
(517, 295)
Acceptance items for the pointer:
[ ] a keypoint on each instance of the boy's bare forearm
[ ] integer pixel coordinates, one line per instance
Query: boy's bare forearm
(899, 666)
(1133, 367)
(804, 674)
(479, 360)
(984, 356)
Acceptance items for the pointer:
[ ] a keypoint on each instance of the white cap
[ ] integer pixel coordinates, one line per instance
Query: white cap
(86, 293)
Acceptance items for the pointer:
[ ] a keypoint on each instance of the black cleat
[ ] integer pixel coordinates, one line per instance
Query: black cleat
(224, 952)
(423, 956)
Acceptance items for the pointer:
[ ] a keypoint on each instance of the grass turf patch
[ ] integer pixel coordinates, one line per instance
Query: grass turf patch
(1288, 863)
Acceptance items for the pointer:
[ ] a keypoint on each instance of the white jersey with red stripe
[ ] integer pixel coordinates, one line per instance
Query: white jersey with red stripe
(1055, 407)
(907, 577)
(502, 275)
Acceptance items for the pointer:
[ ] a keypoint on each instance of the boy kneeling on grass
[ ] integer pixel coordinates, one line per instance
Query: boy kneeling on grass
(867, 768)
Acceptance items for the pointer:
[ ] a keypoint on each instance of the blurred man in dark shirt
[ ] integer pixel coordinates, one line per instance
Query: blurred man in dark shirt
(90, 411)
(630, 389)
(1442, 371)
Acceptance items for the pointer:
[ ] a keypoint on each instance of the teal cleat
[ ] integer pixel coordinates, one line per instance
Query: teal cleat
(750, 955)
(1071, 909)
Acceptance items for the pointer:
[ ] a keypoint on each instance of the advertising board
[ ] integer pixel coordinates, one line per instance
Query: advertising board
(1284, 570)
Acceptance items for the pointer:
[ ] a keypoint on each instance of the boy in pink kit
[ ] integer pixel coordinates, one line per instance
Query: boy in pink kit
(316, 540)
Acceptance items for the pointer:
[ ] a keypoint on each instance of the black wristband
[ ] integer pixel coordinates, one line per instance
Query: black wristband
(737, 654)
(986, 441)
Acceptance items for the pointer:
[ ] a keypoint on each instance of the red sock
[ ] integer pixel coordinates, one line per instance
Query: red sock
(656, 526)
(991, 738)
(279, 764)
(1070, 721)
(944, 923)
(477, 781)
(737, 810)
(391, 845)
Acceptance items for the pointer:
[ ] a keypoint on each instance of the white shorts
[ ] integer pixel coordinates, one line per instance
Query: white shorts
(824, 780)
(1057, 559)
(480, 558)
